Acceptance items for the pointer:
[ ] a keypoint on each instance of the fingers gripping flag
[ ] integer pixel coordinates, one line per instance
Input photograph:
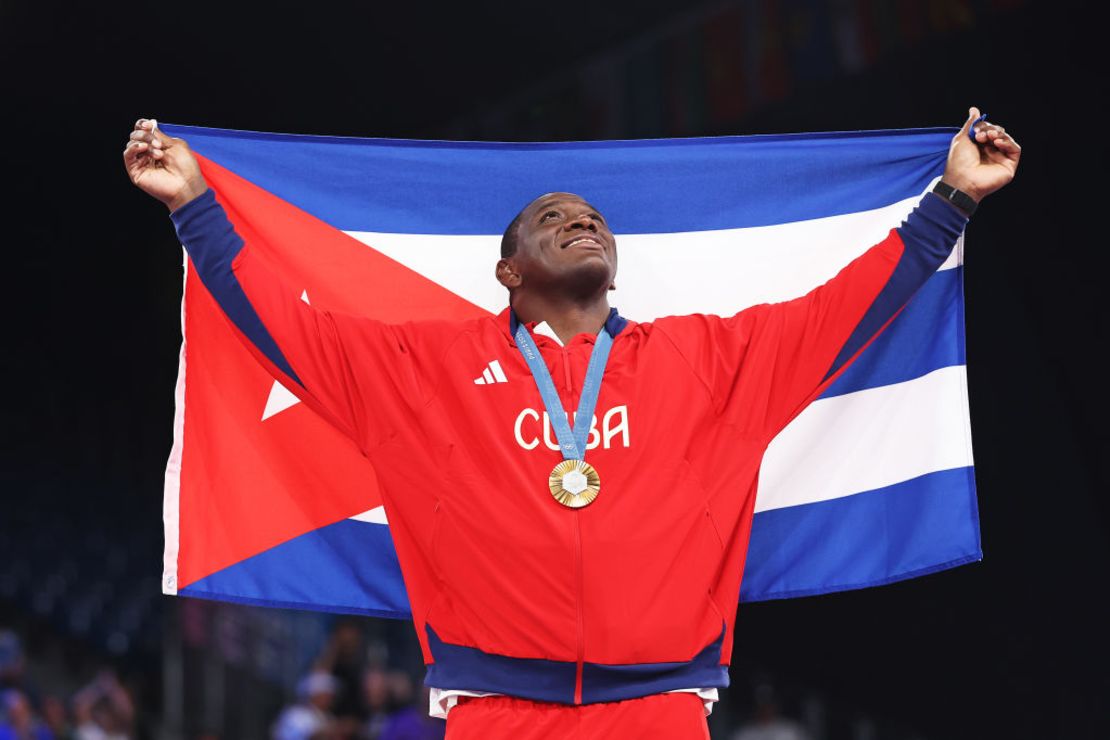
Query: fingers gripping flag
(266, 503)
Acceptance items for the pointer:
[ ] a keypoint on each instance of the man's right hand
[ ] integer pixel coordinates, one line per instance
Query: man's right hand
(162, 166)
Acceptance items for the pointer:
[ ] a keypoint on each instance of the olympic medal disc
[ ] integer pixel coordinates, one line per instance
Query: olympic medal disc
(574, 483)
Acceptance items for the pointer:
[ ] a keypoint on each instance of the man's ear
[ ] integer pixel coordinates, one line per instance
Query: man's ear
(506, 273)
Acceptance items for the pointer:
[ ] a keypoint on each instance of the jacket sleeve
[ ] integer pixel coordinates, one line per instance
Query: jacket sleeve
(766, 363)
(339, 365)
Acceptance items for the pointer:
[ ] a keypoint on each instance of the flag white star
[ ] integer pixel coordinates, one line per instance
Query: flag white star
(280, 397)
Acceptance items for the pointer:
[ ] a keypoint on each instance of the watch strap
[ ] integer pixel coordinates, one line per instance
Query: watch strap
(958, 198)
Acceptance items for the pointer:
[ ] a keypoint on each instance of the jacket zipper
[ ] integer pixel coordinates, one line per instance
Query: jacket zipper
(566, 372)
(578, 564)
(578, 577)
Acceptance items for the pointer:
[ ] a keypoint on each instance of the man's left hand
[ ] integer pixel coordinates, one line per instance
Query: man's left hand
(979, 168)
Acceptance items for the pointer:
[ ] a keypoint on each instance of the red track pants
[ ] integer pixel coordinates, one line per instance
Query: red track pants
(659, 717)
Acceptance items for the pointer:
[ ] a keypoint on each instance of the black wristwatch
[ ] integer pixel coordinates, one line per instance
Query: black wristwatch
(958, 198)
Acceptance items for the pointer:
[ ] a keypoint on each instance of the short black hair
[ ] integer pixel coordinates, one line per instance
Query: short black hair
(512, 231)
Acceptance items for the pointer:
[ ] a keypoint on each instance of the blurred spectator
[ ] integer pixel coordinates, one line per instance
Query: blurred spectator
(103, 710)
(12, 664)
(55, 716)
(11, 659)
(17, 721)
(375, 697)
(406, 721)
(311, 718)
(344, 657)
(767, 724)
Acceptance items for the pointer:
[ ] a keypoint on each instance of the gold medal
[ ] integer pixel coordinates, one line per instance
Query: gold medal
(574, 483)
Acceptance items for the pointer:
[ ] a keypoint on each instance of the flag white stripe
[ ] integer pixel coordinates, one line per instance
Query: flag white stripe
(903, 431)
(924, 431)
(765, 263)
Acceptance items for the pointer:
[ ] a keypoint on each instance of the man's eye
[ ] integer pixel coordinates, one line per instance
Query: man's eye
(549, 214)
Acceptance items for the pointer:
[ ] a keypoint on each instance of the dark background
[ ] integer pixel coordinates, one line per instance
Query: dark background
(1015, 646)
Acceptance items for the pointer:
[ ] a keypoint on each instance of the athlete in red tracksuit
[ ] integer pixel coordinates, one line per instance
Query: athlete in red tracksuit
(595, 622)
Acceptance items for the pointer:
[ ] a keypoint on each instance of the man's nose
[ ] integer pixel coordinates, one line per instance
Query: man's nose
(584, 221)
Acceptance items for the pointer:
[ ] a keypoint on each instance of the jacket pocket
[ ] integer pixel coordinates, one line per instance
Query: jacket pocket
(433, 557)
(715, 531)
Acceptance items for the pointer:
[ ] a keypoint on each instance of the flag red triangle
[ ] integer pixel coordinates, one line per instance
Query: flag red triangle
(248, 485)
(338, 271)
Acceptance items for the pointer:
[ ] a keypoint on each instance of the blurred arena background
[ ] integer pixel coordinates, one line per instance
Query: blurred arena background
(1014, 647)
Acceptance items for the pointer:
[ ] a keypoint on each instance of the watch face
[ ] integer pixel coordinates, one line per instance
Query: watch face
(958, 198)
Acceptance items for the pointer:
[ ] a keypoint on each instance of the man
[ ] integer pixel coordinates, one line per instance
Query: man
(595, 598)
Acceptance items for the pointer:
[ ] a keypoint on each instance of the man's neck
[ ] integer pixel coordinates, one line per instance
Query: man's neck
(566, 318)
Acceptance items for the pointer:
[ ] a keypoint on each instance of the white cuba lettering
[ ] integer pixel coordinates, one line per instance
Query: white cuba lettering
(519, 423)
(621, 425)
(547, 433)
(531, 427)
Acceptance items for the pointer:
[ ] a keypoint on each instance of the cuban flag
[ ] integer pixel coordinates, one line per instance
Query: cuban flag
(267, 504)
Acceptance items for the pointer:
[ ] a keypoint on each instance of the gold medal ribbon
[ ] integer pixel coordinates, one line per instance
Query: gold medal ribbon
(574, 483)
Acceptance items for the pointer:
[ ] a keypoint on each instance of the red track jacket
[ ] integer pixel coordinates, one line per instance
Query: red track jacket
(511, 592)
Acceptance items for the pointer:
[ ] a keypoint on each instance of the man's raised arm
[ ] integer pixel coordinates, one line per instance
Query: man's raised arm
(337, 364)
(766, 363)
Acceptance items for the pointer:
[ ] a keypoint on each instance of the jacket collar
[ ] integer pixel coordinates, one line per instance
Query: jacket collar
(614, 323)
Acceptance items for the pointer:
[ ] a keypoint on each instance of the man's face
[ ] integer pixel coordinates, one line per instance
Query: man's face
(564, 242)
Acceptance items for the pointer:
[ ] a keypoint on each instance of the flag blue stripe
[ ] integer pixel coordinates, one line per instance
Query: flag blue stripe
(918, 526)
(911, 528)
(649, 186)
(349, 566)
(926, 336)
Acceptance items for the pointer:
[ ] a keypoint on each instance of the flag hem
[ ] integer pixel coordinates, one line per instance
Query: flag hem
(775, 596)
(171, 492)
(965, 398)
(533, 145)
(304, 606)
(948, 565)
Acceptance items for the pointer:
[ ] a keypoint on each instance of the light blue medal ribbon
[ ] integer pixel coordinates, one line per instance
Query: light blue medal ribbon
(573, 482)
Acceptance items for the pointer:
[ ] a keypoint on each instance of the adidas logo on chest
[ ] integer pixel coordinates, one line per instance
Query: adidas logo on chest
(491, 373)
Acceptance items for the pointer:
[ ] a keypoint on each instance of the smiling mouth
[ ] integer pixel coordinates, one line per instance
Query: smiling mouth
(583, 240)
